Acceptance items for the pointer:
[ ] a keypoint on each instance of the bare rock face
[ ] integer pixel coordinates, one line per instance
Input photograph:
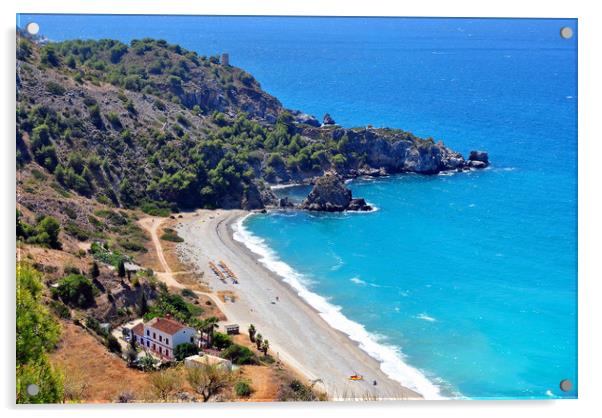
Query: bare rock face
(478, 159)
(330, 194)
(304, 118)
(328, 120)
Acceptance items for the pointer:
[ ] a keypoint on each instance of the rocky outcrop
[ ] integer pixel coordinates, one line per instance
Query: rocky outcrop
(330, 194)
(305, 119)
(328, 120)
(478, 159)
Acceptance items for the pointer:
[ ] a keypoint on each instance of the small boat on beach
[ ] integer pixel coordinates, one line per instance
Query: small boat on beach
(356, 377)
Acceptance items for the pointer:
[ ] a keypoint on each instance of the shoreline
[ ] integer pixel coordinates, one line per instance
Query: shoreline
(297, 331)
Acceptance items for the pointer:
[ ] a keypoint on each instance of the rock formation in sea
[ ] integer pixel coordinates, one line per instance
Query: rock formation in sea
(330, 194)
(478, 159)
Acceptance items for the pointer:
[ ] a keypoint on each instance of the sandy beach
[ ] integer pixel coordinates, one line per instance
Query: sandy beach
(297, 334)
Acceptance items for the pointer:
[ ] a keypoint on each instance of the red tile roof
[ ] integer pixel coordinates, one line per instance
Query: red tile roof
(166, 325)
(138, 329)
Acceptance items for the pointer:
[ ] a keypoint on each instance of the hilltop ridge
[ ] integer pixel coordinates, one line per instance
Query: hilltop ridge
(155, 126)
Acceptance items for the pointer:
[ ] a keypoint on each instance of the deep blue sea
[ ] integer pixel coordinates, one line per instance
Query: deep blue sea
(469, 279)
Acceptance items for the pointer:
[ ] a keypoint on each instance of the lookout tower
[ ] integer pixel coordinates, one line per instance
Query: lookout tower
(226, 59)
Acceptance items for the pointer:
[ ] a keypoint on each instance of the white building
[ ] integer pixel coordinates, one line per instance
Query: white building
(208, 360)
(162, 335)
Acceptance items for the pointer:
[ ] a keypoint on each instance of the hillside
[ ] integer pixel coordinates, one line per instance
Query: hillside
(152, 125)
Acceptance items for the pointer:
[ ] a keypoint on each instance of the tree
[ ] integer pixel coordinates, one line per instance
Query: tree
(37, 334)
(185, 350)
(147, 362)
(165, 383)
(221, 341)
(208, 380)
(51, 227)
(142, 304)
(258, 341)
(95, 270)
(131, 355)
(76, 290)
(239, 355)
(207, 327)
(265, 347)
(121, 268)
(113, 344)
(252, 332)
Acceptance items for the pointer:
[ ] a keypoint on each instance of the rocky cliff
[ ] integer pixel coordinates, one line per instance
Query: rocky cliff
(152, 125)
(330, 194)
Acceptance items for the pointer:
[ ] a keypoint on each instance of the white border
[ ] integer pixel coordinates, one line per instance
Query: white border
(590, 208)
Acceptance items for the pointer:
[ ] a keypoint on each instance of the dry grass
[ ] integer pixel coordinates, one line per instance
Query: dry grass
(92, 374)
(263, 381)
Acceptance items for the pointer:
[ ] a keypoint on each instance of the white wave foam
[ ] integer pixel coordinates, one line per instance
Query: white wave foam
(390, 357)
(357, 280)
(425, 317)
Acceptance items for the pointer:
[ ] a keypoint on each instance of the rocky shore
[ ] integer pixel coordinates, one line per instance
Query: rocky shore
(330, 194)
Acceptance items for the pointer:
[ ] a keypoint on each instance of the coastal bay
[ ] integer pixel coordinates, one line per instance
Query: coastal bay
(298, 335)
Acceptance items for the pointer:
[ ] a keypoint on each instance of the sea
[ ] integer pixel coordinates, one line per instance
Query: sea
(463, 285)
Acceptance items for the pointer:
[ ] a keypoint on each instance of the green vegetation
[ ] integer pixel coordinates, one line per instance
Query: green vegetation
(242, 388)
(239, 355)
(174, 305)
(37, 334)
(189, 293)
(208, 380)
(184, 350)
(55, 88)
(44, 233)
(75, 290)
(103, 254)
(221, 341)
(163, 166)
(171, 235)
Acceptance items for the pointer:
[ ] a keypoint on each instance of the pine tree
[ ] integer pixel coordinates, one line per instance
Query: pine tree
(142, 304)
(258, 341)
(252, 332)
(121, 269)
(95, 270)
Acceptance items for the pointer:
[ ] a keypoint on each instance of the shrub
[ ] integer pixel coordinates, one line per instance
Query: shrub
(184, 350)
(45, 233)
(239, 355)
(112, 344)
(95, 116)
(49, 56)
(117, 52)
(113, 119)
(171, 235)
(60, 309)
(159, 105)
(242, 388)
(189, 293)
(76, 290)
(221, 341)
(55, 88)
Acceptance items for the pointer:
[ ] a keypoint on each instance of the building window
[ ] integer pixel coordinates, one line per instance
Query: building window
(147, 332)
(191, 339)
(160, 338)
(167, 341)
(154, 336)
(147, 343)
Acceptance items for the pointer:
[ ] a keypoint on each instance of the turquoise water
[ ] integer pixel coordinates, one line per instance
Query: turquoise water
(472, 277)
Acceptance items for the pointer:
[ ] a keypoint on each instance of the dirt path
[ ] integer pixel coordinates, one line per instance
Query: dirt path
(151, 224)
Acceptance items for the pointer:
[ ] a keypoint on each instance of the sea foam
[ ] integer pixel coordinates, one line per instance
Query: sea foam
(390, 357)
